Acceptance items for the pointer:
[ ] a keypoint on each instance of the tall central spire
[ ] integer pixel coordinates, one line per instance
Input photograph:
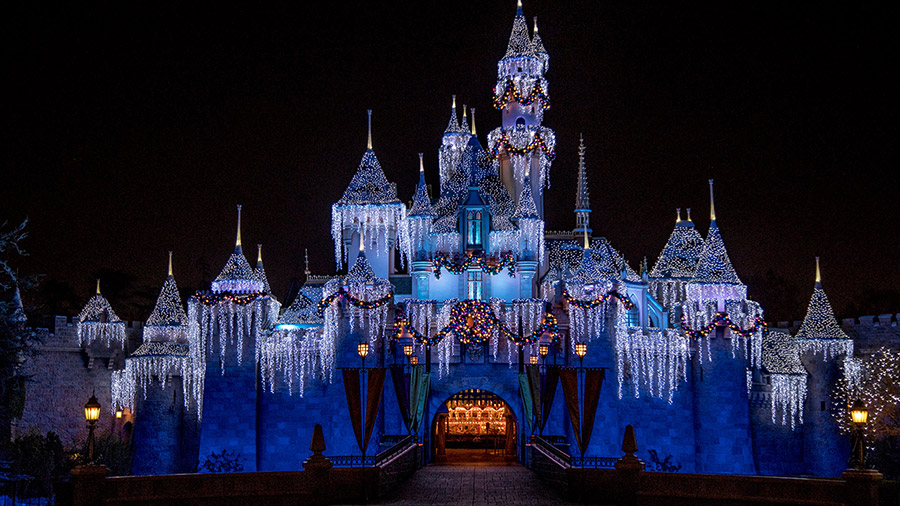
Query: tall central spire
(712, 205)
(237, 242)
(582, 197)
(369, 143)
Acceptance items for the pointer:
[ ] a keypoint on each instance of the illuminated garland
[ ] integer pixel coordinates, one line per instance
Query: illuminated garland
(401, 321)
(442, 261)
(549, 325)
(538, 142)
(483, 323)
(211, 299)
(722, 318)
(511, 90)
(590, 304)
(359, 303)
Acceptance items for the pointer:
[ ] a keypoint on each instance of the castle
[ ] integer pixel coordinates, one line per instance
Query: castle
(463, 293)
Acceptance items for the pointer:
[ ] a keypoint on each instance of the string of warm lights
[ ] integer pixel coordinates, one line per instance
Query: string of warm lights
(481, 261)
(511, 93)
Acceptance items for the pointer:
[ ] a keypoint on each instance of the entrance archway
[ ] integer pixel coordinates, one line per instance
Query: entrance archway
(474, 427)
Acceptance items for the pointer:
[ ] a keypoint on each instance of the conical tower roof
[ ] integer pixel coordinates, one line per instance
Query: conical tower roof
(98, 309)
(538, 47)
(714, 265)
(453, 126)
(260, 271)
(303, 311)
(168, 311)
(526, 208)
(369, 185)
(820, 322)
(519, 41)
(679, 257)
(237, 276)
(421, 201)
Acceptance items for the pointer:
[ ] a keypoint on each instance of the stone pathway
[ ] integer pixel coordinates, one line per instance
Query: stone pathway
(461, 485)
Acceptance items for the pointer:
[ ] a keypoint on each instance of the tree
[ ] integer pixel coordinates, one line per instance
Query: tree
(875, 380)
(16, 343)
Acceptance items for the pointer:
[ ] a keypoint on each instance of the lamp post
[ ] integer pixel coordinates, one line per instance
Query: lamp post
(860, 415)
(581, 351)
(543, 350)
(533, 359)
(363, 349)
(91, 414)
(408, 351)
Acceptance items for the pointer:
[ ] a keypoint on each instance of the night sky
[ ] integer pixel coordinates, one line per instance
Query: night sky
(134, 130)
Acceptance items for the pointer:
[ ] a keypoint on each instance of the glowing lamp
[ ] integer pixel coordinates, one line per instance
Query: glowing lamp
(543, 350)
(859, 413)
(92, 410)
(362, 349)
(413, 360)
(119, 413)
(533, 359)
(581, 350)
(408, 349)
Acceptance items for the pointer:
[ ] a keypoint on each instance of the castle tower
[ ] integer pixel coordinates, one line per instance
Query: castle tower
(582, 198)
(162, 386)
(369, 212)
(226, 324)
(415, 233)
(721, 402)
(522, 145)
(822, 343)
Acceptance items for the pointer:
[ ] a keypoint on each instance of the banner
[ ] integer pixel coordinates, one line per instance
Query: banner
(419, 388)
(593, 381)
(569, 379)
(525, 393)
(402, 388)
(373, 400)
(351, 389)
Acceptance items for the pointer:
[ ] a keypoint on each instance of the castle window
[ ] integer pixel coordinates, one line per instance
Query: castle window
(633, 317)
(520, 122)
(473, 228)
(474, 284)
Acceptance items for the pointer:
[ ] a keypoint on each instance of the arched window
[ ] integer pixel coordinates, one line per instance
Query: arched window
(520, 122)
(633, 318)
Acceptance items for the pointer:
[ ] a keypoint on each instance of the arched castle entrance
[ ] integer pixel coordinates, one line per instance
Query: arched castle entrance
(474, 426)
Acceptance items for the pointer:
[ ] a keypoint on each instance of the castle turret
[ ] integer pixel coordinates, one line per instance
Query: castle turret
(163, 387)
(522, 145)
(260, 271)
(368, 212)
(98, 322)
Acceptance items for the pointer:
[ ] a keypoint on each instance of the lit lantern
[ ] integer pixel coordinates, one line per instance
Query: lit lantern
(408, 350)
(92, 410)
(362, 349)
(543, 350)
(413, 360)
(859, 413)
(119, 413)
(533, 359)
(581, 350)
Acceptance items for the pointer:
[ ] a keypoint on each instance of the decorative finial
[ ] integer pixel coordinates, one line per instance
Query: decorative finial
(678, 215)
(465, 120)
(535, 25)
(689, 214)
(421, 164)
(258, 253)
(473, 121)
(712, 202)
(306, 260)
(237, 242)
(98, 286)
(454, 103)
(518, 7)
(170, 263)
(369, 144)
(362, 244)
(587, 244)
(818, 273)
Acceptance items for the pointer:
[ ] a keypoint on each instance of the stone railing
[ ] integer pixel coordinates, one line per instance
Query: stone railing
(318, 483)
(628, 482)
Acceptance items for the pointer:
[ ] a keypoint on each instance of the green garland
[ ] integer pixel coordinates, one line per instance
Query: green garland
(588, 304)
(722, 319)
(510, 90)
(362, 304)
(442, 261)
(211, 299)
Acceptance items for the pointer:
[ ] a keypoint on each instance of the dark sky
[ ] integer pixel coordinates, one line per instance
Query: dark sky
(134, 130)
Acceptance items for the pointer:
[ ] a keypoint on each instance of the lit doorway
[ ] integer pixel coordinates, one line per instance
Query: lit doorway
(474, 427)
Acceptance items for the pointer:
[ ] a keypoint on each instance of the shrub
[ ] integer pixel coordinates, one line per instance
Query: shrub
(224, 462)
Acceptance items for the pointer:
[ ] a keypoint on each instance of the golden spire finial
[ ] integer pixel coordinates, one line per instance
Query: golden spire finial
(258, 253)
(454, 102)
(473, 121)
(535, 25)
(818, 273)
(170, 263)
(362, 244)
(369, 143)
(421, 164)
(464, 113)
(712, 202)
(519, 4)
(678, 215)
(98, 286)
(587, 243)
(689, 214)
(237, 242)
